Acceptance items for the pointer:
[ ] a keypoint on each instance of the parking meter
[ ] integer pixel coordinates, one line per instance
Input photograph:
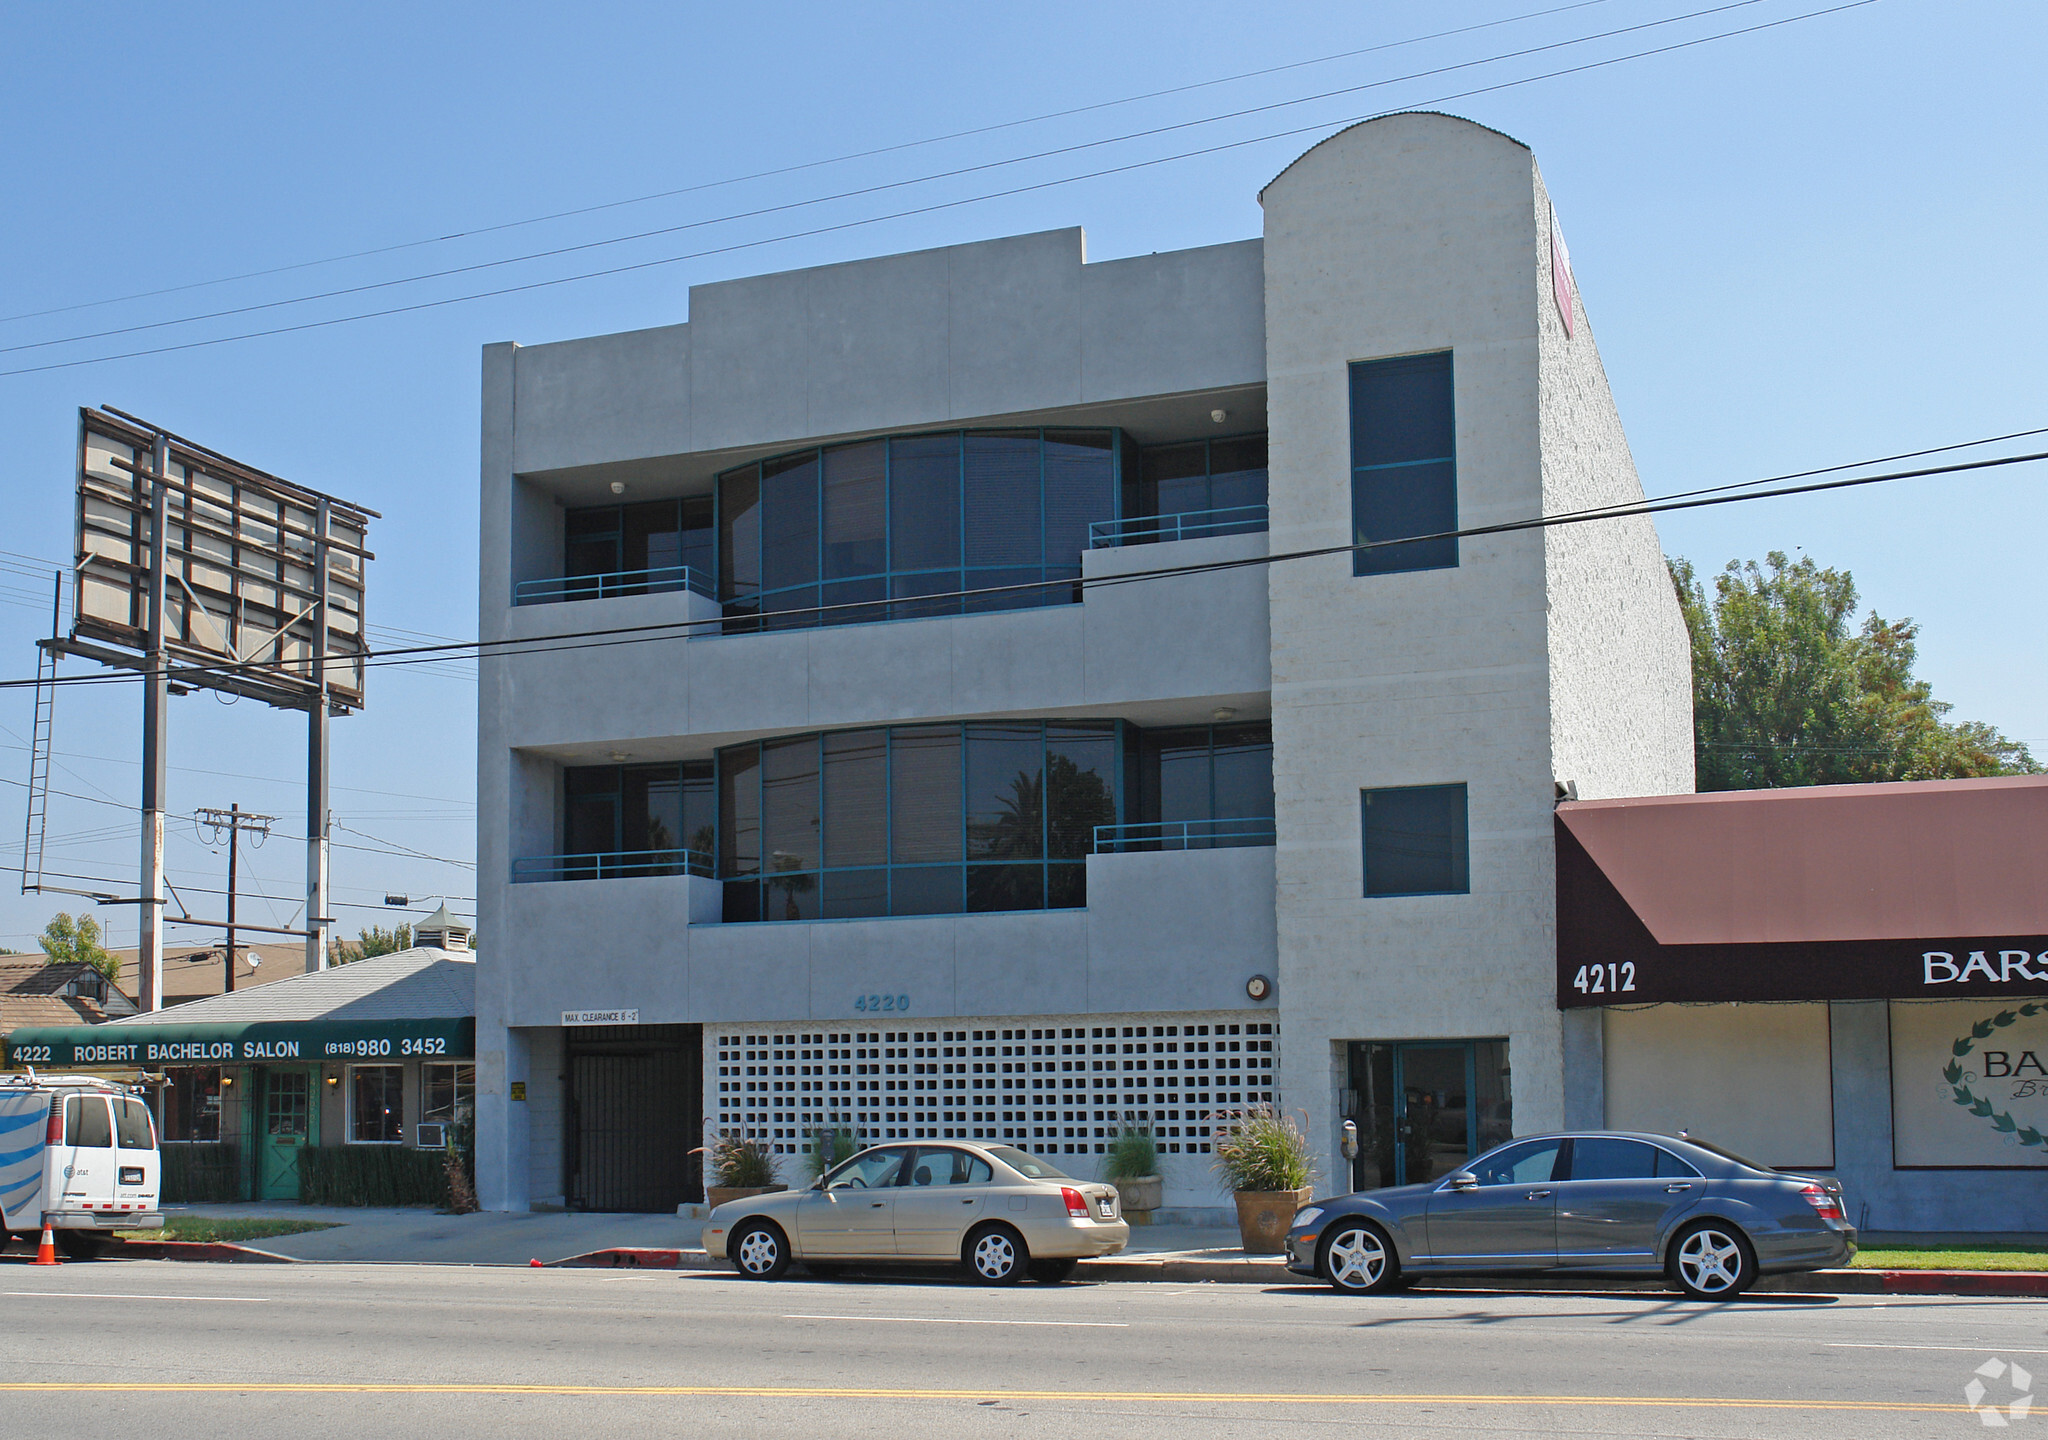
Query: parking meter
(1349, 1145)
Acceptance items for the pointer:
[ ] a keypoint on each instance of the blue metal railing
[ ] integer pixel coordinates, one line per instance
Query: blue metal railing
(1184, 835)
(603, 587)
(622, 865)
(1158, 529)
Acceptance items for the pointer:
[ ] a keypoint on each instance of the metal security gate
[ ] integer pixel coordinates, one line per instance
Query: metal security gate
(634, 1114)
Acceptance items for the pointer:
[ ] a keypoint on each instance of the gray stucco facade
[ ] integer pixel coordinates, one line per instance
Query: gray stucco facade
(1540, 657)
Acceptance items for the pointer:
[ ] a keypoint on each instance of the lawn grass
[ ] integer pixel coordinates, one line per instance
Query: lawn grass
(224, 1228)
(1983, 1257)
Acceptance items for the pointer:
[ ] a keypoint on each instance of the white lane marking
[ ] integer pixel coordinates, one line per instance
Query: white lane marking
(1979, 1349)
(100, 1295)
(925, 1320)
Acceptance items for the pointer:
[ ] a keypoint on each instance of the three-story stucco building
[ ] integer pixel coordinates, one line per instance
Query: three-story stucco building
(982, 693)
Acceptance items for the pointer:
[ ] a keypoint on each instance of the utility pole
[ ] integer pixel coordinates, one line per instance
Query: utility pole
(233, 821)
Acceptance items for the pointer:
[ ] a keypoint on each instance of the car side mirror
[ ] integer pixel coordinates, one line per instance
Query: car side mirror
(1464, 1180)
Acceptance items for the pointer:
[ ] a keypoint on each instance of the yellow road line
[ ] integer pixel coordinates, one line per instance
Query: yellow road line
(834, 1392)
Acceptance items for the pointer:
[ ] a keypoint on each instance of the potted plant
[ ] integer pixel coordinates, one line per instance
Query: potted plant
(736, 1166)
(1133, 1167)
(1265, 1160)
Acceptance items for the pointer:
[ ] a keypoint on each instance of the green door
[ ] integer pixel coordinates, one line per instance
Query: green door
(286, 1129)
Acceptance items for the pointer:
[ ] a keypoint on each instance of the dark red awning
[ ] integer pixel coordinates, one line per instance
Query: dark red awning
(1935, 889)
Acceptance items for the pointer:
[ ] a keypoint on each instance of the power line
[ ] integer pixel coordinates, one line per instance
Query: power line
(794, 169)
(921, 209)
(865, 190)
(678, 629)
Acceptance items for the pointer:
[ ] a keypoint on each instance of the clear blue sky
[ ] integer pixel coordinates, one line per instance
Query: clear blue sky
(1807, 245)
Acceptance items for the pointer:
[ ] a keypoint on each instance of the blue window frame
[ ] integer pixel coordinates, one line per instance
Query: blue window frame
(1404, 465)
(1416, 841)
(632, 550)
(896, 528)
(915, 819)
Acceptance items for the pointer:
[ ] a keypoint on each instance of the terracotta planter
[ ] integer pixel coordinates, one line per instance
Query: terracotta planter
(1262, 1217)
(1140, 1196)
(716, 1195)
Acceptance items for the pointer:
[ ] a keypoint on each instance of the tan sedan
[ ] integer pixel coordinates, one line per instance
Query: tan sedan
(1001, 1213)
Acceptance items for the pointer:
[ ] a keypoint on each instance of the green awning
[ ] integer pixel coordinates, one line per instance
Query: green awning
(267, 1042)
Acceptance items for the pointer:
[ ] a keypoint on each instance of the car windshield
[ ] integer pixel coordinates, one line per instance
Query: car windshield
(1029, 1166)
(1726, 1154)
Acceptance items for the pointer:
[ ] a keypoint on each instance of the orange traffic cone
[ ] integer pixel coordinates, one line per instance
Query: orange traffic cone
(46, 1252)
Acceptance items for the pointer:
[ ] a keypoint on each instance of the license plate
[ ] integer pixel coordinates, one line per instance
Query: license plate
(1102, 1208)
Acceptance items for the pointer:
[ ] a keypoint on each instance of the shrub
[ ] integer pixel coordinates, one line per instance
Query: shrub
(1133, 1155)
(1260, 1149)
(735, 1162)
(372, 1175)
(196, 1173)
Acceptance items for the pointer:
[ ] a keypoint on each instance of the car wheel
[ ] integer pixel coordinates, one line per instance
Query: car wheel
(1053, 1272)
(1713, 1261)
(82, 1244)
(996, 1255)
(759, 1251)
(1358, 1259)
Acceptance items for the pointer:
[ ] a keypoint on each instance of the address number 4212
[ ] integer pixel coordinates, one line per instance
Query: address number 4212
(882, 1004)
(1609, 979)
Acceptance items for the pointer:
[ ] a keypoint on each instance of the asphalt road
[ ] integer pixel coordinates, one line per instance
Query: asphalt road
(147, 1349)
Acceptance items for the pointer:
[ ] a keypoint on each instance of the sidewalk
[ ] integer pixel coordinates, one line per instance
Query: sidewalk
(1177, 1254)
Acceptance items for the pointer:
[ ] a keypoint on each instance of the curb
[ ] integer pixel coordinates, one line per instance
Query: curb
(1170, 1270)
(216, 1251)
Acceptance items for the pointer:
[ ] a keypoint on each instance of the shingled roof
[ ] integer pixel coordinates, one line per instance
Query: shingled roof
(35, 991)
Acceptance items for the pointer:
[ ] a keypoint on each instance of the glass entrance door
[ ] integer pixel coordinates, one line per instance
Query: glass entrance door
(1424, 1107)
(286, 1131)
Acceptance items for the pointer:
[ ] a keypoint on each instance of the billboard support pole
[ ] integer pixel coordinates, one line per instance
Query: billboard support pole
(149, 959)
(319, 925)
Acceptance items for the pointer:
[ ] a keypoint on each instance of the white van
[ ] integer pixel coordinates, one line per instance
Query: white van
(78, 1154)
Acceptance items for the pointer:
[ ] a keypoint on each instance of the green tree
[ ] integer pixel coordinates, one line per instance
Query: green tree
(1789, 690)
(374, 941)
(65, 940)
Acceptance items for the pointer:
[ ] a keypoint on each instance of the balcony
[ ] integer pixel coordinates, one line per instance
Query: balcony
(1189, 525)
(1155, 835)
(606, 587)
(623, 865)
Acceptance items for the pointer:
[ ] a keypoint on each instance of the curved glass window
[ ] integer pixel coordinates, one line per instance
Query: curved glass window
(915, 819)
(895, 529)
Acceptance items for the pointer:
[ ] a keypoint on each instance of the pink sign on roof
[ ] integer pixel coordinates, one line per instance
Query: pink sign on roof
(1562, 285)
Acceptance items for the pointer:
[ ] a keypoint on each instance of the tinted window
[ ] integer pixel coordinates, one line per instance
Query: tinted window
(1527, 1163)
(1029, 1166)
(892, 526)
(1669, 1166)
(1190, 779)
(1605, 1159)
(1415, 841)
(1726, 1154)
(86, 1122)
(1404, 478)
(131, 1126)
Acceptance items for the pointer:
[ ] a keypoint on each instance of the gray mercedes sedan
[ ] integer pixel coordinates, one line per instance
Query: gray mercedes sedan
(1600, 1203)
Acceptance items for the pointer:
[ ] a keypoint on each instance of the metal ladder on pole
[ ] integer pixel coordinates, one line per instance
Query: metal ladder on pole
(36, 826)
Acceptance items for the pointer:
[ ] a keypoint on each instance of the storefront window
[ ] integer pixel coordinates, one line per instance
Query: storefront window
(191, 1104)
(450, 1094)
(1425, 1108)
(376, 1104)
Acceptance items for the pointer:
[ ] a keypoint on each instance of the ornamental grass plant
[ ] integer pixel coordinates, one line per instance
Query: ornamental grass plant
(1260, 1150)
(734, 1162)
(1133, 1155)
(829, 1147)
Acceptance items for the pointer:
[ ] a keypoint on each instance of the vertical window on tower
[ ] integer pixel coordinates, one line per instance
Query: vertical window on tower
(1416, 842)
(1404, 471)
